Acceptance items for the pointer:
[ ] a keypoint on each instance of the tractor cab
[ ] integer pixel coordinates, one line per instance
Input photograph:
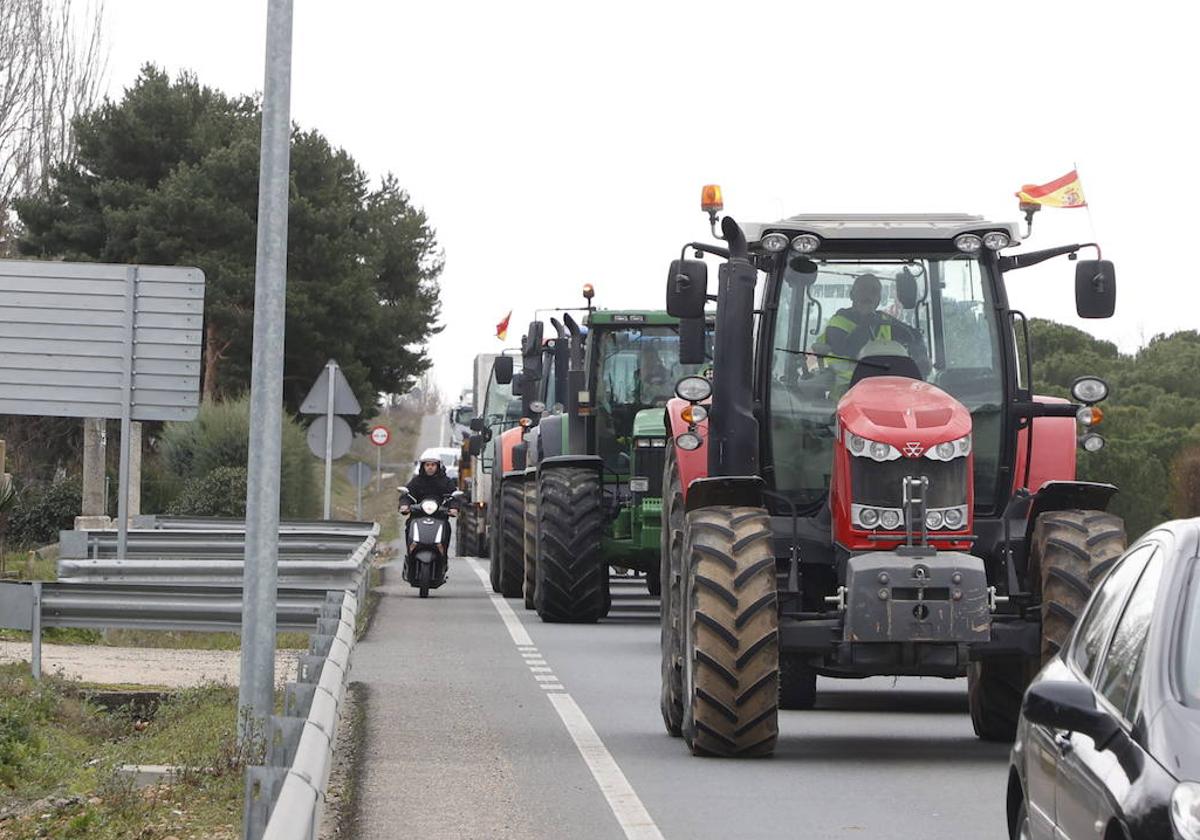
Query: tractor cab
(871, 412)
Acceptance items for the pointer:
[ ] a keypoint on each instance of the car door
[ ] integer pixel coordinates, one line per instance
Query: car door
(1080, 661)
(1084, 803)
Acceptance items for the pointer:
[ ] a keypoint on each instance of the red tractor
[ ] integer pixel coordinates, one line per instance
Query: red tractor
(866, 484)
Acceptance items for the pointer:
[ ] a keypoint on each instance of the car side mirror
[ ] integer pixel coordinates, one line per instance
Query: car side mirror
(503, 369)
(687, 288)
(1095, 288)
(475, 445)
(1070, 706)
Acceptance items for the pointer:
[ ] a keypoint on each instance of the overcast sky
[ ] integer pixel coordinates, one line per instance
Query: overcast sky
(554, 144)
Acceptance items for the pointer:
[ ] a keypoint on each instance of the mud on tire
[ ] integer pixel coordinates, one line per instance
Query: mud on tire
(571, 578)
(731, 643)
(511, 541)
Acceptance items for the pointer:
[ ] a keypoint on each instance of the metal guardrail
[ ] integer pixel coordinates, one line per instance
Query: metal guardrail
(284, 798)
(203, 523)
(206, 543)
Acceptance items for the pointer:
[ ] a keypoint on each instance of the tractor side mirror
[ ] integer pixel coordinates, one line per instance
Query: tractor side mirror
(475, 445)
(503, 369)
(687, 288)
(1095, 288)
(477, 424)
(691, 341)
(906, 289)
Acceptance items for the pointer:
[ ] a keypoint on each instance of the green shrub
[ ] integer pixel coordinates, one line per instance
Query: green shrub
(220, 493)
(193, 453)
(39, 512)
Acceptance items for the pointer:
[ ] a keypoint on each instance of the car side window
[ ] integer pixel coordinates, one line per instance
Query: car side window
(1121, 670)
(1096, 626)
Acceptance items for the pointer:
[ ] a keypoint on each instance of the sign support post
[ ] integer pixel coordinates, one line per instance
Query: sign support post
(331, 369)
(256, 698)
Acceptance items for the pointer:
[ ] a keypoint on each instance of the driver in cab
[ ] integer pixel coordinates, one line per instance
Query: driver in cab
(852, 328)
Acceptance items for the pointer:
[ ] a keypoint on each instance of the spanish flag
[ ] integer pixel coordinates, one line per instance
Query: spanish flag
(1066, 191)
(502, 327)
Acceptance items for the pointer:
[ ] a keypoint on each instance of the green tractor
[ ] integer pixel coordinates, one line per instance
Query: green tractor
(590, 470)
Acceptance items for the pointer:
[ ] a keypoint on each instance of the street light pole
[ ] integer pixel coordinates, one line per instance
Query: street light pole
(255, 694)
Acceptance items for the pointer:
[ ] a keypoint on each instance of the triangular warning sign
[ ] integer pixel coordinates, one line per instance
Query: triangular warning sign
(317, 401)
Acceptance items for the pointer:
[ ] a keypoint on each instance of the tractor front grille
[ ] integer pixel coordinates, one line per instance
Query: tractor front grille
(648, 463)
(881, 484)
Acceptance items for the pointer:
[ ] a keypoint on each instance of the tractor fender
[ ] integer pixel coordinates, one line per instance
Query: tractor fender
(1055, 443)
(509, 441)
(550, 433)
(1067, 495)
(594, 462)
(694, 464)
(532, 442)
(724, 491)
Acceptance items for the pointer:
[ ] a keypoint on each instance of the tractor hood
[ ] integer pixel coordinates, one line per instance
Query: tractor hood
(907, 413)
(650, 422)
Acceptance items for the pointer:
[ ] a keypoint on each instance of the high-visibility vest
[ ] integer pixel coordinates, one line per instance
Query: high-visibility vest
(844, 370)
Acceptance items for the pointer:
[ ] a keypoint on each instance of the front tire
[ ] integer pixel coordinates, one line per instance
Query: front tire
(571, 578)
(671, 547)
(531, 525)
(424, 574)
(731, 626)
(511, 541)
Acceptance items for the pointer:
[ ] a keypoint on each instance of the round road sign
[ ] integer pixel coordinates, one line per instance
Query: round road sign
(380, 435)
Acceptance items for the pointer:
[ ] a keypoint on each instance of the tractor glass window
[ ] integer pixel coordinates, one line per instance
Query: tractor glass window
(638, 369)
(463, 415)
(927, 313)
(498, 412)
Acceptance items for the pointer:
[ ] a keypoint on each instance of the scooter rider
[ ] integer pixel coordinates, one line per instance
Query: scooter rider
(431, 481)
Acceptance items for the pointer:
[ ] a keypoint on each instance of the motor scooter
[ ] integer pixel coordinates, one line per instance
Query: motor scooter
(426, 535)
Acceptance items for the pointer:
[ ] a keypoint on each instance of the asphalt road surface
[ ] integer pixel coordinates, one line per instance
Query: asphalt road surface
(478, 726)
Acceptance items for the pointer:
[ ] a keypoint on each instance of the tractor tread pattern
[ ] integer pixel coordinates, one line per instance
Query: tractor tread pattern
(571, 576)
(734, 641)
(512, 539)
(670, 628)
(530, 542)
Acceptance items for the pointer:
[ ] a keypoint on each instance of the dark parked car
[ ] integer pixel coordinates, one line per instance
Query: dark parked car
(1108, 743)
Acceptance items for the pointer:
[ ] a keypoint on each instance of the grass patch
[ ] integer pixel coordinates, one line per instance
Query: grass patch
(159, 639)
(37, 564)
(59, 754)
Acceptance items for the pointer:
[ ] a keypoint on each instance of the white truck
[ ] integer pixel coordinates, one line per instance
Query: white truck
(495, 410)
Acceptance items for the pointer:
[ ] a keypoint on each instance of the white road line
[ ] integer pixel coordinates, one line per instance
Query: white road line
(635, 820)
(629, 810)
(515, 629)
(541, 670)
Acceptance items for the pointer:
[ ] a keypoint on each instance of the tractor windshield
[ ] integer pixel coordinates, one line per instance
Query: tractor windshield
(637, 368)
(500, 407)
(463, 415)
(935, 310)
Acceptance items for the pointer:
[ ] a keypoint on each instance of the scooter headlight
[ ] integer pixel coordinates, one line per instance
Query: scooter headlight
(429, 507)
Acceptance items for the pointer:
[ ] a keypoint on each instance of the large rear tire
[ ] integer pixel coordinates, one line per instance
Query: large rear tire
(531, 524)
(512, 539)
(670, 563)
(1072, 550)
(731, 634)
(571, 578)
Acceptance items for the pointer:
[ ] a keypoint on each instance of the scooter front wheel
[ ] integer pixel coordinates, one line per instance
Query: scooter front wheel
(423, 579)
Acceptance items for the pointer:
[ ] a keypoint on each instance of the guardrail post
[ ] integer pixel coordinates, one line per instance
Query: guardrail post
(283, 737)
(297, 699)
(319, 644)
(308, 668)
(35, 620)
(262, 789)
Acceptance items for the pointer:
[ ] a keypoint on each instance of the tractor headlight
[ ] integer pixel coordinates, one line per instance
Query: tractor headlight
(693, 389)
(1091, 442)
(868, 517)
(429, 507)
(934, 520)
(995, 240)
(688, 441)
(954, 518)
(647, 443)
(890, 519)
(950, 450)
(1185, 810)
(1089, 390)
(775, 242)
(873, 449)
(806, 243)
(968, 243)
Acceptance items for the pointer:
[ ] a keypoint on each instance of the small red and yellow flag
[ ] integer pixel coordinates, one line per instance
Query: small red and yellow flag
(502, 327)
(1066, 191)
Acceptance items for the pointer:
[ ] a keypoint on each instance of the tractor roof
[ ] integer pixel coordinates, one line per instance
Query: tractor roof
(881, 226)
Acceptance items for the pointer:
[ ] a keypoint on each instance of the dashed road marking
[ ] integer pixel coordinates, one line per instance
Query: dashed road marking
(626, 806)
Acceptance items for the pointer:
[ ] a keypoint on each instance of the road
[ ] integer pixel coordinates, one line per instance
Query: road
(467, 736)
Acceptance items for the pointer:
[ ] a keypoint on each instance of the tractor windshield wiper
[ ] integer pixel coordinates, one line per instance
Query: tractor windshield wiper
(876, 365)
